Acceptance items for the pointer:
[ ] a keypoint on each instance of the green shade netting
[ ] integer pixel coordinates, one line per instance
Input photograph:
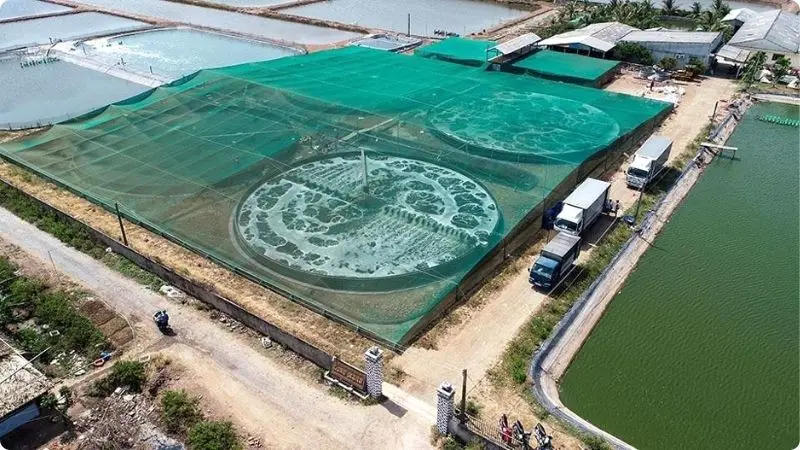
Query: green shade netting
(566, 66)
(459, 50)
(261, 167)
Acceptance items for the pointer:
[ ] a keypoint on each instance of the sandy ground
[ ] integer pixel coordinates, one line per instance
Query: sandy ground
(262, 395)
(489, 321)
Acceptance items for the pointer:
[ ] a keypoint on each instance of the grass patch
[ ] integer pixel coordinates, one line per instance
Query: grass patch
(126, 267)
(180, 411)
(56, 323)
(73, 234)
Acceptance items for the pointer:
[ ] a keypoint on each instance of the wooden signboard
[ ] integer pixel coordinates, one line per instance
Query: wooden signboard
(349, 375)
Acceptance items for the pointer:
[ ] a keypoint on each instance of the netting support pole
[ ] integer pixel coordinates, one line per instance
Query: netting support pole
(121, 226)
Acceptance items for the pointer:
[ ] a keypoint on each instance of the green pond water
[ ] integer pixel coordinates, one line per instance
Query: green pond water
(700, 348)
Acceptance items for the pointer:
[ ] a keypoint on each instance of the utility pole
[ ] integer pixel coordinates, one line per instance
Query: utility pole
(464, 396)
(638, 203)
(121, 227)
(364, 167)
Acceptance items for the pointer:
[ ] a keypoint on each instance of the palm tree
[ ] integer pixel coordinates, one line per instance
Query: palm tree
(669, 7)
(719, 8)
(697, 8)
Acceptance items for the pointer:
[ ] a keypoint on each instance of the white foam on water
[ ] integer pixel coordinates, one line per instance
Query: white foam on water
(416, 216)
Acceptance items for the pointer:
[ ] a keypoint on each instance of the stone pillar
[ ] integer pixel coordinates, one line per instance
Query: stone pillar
(374, 367)
(444, 406)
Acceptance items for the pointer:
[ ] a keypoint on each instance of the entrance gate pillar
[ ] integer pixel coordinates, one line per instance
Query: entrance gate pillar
(444, 406)
(373, 359)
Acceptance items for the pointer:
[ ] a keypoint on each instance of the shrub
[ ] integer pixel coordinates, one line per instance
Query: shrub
(213, 435)
(696, 66)
(668, 63)
(31, 341)
(25, 289)
(633, 53)
(180, 411)
(596, 443)
(129, 374)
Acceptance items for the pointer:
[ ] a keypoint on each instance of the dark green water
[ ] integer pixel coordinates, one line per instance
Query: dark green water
(700, 349)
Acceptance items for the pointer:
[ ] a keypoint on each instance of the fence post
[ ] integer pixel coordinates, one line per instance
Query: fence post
(373, 359)
(444, 406)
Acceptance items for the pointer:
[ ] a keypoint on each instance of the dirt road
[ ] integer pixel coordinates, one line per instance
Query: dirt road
(263, 397)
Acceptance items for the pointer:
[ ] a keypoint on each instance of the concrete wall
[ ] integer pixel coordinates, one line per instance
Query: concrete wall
(682, 51)
(202, 293)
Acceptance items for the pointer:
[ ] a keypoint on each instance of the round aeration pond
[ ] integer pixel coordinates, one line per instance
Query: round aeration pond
(501, 126)
(318, 224)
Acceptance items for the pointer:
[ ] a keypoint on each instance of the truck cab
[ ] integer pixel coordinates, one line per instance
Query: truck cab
(570, 219)
(639, 171)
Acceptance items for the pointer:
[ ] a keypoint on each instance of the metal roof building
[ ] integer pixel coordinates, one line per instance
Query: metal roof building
(599, 37)
(681, 45)
(739, 16)
(774, 32)
(513, 48)
(20, 385)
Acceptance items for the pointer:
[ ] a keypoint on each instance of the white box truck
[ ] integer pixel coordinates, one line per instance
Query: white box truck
(555, 261)
(583, 206)
(648, 161)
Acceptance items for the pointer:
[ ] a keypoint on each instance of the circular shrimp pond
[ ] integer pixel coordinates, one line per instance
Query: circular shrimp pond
(318, 224)
(501, 126)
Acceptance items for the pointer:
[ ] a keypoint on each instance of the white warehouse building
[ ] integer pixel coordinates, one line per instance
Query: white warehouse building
(681, 45)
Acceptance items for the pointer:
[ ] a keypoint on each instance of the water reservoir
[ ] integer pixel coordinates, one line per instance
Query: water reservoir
(226, 20)
(458, 16)
(70, 26)
(56, 91)
(700, 348)
(11, 9)
(173, 53)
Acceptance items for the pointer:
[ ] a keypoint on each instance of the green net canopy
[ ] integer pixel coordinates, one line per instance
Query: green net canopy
(470, 52)
(363, 184)
(565, 66)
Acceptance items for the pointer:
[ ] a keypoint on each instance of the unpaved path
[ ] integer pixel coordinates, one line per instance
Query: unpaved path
(262, 396)
(478, 342)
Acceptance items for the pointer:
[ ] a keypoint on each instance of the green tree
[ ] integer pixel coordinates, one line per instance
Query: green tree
(633, 53)
(752, 67)
(668, 63)
(180, 410)
(696, 66)
(669, 7)
(781, 68)
(213, 435)
(720, 9)
(696, 10)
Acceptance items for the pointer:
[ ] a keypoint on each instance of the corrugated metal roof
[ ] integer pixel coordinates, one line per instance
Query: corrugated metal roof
(732, 53)
(601, 36)
(21, 382)
(680, 37)
(588, 41)
(770, 31)
(740, 14)
(517, 43)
